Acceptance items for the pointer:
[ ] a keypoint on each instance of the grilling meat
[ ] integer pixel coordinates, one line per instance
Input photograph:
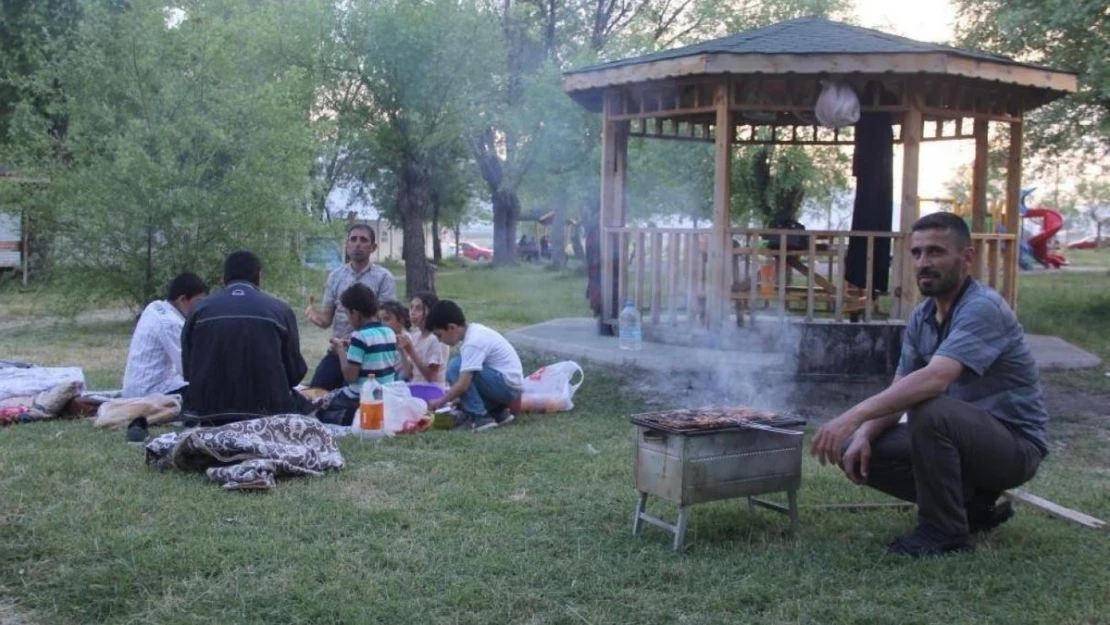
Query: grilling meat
(711, 417)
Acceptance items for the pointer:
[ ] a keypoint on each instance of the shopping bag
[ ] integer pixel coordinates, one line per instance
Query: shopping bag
(550, 388)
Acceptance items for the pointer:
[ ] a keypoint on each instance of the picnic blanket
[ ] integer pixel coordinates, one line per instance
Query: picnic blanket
(250, 455)
(19, 379)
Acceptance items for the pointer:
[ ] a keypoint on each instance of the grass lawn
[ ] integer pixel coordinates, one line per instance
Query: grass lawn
(526, 524)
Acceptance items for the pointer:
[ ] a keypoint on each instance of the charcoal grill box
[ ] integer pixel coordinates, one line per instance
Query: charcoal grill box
(687, 467)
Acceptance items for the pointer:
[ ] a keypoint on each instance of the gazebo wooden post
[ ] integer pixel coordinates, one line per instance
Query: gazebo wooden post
(979, 178)
(1013, 215)
(911, 152)
(717, 285)
(614, 159)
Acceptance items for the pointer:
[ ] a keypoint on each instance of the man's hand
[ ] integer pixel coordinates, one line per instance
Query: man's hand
(857, 459)
(434, 404)
(339, 345)
(830, 438)
(310, 310)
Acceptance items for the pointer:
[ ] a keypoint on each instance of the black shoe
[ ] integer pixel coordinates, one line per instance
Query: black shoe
(925, 542)
(983, 520)
(137, 431)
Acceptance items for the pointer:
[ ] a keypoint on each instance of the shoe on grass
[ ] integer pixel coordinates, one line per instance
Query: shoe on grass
(982, 520)
(137, 431)
(468, 422)
(926, 542)
(504, 417)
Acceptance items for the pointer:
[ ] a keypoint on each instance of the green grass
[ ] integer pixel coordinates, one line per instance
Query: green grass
(1076, 308)
(1088, 258)
(526, 524)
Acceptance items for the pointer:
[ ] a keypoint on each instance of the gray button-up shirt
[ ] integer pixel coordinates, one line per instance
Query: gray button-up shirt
(374, 276)
(983, 334)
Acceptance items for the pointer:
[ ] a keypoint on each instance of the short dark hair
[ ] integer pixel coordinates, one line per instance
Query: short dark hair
(949, 222)
(242, 265)
(361, 298)
(443, 314)
(398, 310)
(370, 231)
(187, 284)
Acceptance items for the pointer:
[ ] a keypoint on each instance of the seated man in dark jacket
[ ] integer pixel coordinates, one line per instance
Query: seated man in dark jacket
(241, 352)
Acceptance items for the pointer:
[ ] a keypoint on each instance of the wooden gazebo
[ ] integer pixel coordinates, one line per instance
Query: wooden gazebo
(760, 87)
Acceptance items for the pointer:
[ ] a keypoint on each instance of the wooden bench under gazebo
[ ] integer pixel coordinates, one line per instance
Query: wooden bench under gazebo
(762, 86)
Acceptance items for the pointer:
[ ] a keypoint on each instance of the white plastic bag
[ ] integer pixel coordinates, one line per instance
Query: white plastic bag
(401, 406)
(837, 105)
(551, 388)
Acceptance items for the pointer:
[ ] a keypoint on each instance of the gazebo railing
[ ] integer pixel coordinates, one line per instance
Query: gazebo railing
(667, 273)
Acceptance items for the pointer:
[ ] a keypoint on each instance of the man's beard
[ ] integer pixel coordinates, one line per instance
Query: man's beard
(941, 284)
(359, 255)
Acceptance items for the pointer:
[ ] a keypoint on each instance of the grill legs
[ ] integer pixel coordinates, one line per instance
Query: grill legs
(679, 528)
(790, 509)
(641, 505)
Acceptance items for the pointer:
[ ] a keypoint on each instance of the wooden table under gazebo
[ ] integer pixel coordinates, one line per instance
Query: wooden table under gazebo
(762, 86)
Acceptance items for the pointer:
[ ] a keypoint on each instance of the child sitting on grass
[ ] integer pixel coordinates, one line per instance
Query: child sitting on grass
(427, 354)
(395, 316)
(485, 377)
(371, 350)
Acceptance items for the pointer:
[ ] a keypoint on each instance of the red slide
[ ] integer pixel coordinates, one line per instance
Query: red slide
(1053, 222)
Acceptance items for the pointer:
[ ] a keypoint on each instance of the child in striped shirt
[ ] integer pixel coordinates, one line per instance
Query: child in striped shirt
(371, 350)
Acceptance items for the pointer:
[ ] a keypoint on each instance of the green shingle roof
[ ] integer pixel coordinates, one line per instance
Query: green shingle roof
(806, 35)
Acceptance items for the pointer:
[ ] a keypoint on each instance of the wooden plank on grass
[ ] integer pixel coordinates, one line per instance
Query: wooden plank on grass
(859, 507)
(1055, 509)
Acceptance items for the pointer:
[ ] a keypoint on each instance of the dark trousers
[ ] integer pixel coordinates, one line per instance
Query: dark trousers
(949, 458)
(329, 373)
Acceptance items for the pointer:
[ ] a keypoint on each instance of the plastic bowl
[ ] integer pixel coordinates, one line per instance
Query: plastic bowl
(427, 392)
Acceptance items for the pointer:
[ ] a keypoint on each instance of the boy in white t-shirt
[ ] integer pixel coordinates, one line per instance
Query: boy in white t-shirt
(485, 377)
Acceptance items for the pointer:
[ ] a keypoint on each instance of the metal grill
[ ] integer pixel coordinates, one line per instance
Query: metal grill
(711, 453)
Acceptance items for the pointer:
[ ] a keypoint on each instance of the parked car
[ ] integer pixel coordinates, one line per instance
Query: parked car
(1088, 244)
(475, 252)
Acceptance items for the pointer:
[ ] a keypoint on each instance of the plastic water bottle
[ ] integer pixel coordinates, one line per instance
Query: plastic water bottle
(629, 326)
(369, 421)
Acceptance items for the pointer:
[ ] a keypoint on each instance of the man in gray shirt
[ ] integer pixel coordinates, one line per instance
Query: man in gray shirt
(361, 243)
(970, 389)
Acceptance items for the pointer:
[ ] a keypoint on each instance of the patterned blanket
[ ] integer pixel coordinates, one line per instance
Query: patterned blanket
(250, 455)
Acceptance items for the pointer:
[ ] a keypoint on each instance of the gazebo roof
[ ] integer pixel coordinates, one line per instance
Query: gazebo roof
(812, 45)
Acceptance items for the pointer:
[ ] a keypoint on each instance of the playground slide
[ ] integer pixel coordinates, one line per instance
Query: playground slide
(1038, 243)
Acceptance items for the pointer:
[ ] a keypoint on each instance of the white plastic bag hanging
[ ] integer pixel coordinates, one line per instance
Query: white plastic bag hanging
(837, 105)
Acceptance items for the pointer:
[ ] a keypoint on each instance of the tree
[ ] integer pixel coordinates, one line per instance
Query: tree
(1093, 198)
(417, 66)
(1069, 35)
(539, 35)
(185, 139)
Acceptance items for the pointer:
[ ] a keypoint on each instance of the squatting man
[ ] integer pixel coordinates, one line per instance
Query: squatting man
(969, 387)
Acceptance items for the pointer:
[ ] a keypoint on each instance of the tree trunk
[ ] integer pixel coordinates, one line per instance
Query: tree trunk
(506, 211)
(559, 230)
(437, 247)
(413, 197)
(458, 235)
(506, 203)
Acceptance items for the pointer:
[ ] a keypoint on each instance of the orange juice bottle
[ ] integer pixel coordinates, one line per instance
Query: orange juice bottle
(371, 406)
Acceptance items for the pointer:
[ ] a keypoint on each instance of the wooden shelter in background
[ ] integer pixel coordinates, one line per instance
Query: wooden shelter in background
(760, 87)
(15, 227)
